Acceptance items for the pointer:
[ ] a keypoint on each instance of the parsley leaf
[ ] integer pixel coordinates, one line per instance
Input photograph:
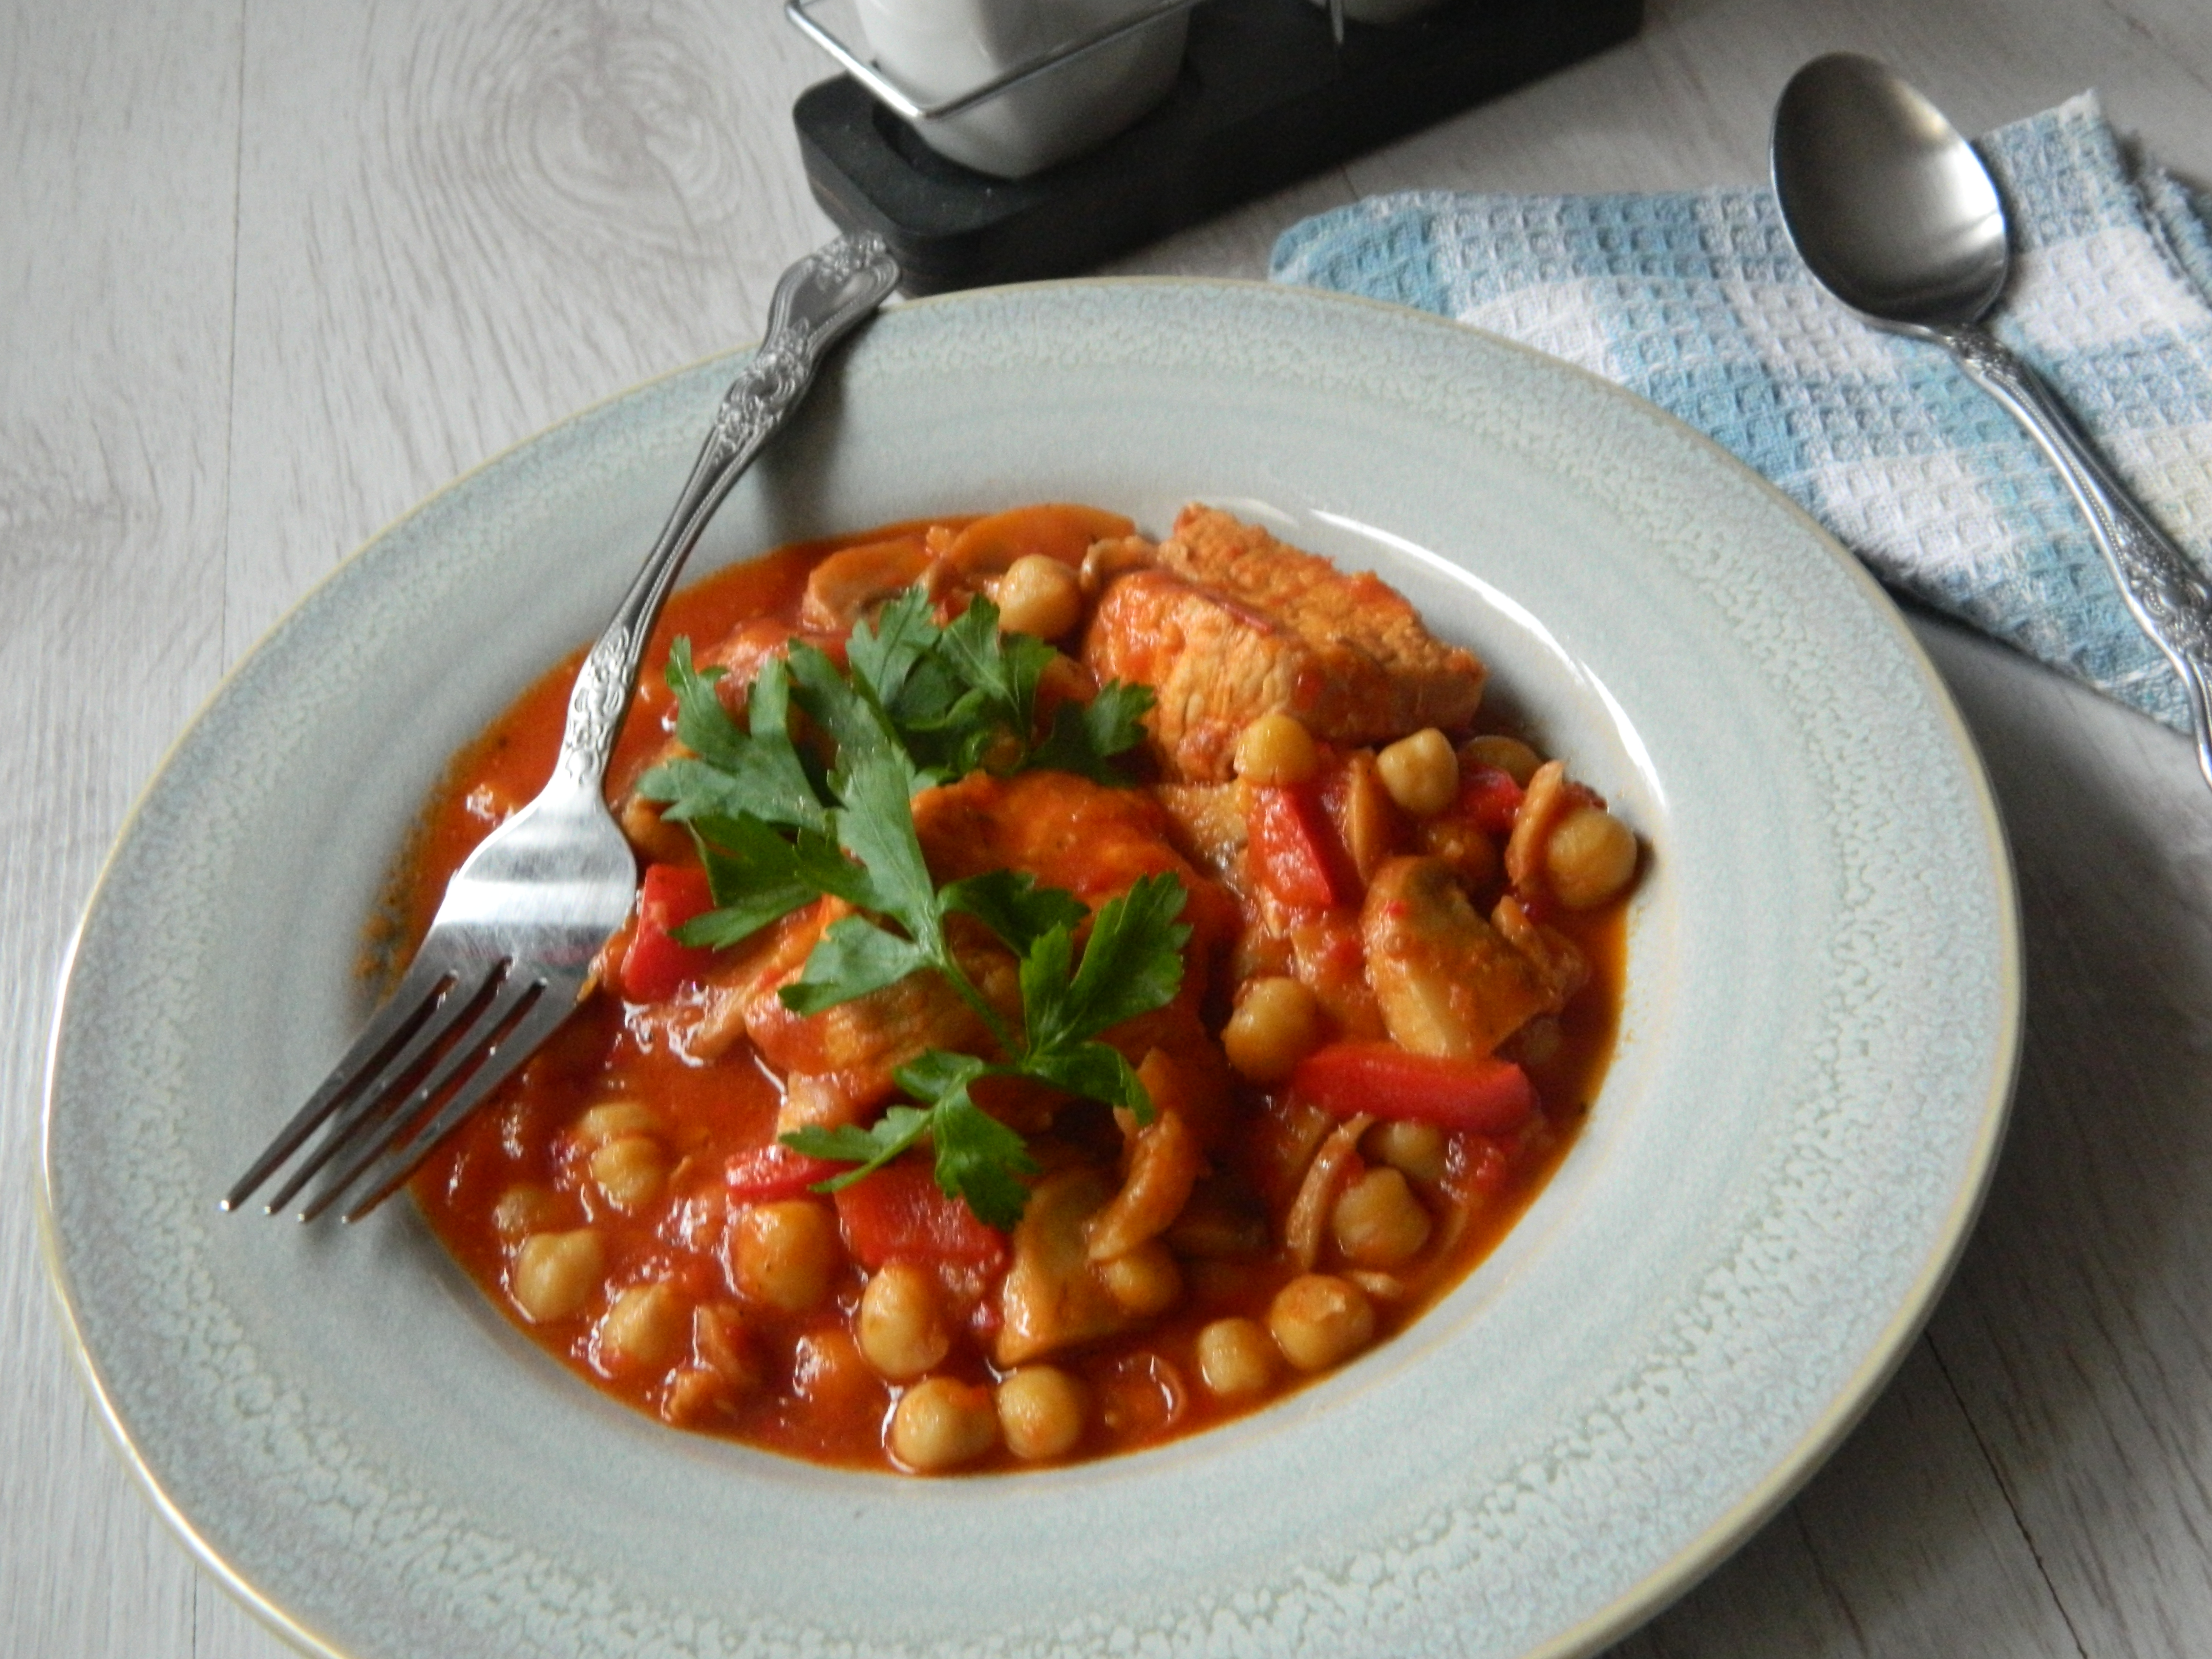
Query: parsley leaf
(1085, 736)
(1003, 670)
(898, 1128)
(853, 958)
(757, 877)
(980, 1160)
(919, 703)
(1011, 905)
(756, 773)
(1132, 965)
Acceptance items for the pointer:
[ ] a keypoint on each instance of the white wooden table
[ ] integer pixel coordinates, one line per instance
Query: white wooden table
(271, 271)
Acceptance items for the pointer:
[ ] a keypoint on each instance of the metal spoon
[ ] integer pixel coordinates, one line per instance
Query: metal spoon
(1896, 216)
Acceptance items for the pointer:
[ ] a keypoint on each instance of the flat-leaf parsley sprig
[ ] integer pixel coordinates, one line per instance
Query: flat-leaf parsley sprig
(920, 704)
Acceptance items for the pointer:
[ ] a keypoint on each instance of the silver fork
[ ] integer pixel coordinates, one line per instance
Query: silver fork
(510, 951)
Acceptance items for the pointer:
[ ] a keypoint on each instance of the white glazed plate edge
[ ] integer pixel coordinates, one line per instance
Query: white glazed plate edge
(1652, 1419)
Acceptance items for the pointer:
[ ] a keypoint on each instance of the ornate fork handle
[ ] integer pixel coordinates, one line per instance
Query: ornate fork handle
(818, 301)
(2169, 597)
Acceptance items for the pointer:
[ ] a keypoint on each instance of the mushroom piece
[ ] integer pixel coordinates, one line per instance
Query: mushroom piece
(1054, 1296)
(1448, 983)
(851, 583)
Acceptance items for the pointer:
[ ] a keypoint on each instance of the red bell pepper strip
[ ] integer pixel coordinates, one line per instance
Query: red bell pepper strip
(1488, 799)
(1294, 847)
(898, 1214)
(655, 967)
(1488, 1096)
(769, 1174)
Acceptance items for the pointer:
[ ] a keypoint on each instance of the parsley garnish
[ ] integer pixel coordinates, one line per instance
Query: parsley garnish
(920, 704)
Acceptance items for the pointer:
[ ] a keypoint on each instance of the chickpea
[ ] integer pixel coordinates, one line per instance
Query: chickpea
(643, 1327)
(1278, 1022)
(610, 1118)
(1040, 1412)
(1378, 1222)
(829, 1370)
(554, 1274)
(1039, 595)
(1144, 1280)
(1235, 1355)
(940, 1423)
(1508, 755)
(1276, 749)
(1589, 858)
(1318, 1319)
(902, 1322)
(524, 1207)
(630, 1170)
(1421, 772)
(1418, 1149)
(785, 1254)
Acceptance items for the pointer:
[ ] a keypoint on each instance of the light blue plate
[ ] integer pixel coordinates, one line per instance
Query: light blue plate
(1819, 1037)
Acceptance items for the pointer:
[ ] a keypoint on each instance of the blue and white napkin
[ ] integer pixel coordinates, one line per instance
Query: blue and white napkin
(1696, 300)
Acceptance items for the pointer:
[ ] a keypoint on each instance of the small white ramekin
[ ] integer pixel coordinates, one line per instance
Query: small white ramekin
(937, 49)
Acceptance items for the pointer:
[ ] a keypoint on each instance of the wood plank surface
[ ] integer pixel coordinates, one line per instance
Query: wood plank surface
(271, 271)
(117, 168)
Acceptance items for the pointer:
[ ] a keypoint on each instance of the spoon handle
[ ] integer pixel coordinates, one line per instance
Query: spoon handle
(2171, 601)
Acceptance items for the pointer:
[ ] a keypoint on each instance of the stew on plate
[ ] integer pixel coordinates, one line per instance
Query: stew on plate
(1081, 988)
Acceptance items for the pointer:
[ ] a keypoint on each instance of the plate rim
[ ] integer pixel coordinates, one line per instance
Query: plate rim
(1726, 1532)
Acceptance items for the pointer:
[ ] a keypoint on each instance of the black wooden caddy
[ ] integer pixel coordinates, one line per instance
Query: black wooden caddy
(1265, 97)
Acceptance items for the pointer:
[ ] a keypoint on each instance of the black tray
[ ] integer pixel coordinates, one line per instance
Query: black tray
(1265, 97)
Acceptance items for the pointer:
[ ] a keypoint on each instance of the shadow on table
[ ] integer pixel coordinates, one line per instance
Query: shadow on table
(2034, 1480)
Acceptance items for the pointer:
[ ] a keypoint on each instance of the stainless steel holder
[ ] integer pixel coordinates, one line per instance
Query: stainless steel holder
(801, 15)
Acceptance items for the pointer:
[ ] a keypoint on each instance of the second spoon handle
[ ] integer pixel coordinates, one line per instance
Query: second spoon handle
(2171, 601)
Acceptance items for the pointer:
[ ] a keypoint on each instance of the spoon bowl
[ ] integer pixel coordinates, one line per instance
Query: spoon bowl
(1895, 216)
(1889, 207)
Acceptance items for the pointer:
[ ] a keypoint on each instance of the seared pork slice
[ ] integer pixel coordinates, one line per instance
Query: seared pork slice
(1093, 840)
(1230, 623)
(866, 1041)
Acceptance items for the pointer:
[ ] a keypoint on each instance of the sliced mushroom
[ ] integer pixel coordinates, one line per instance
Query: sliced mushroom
(1532, 824)
(1309, 1213)
(1448, 983)
(1370, 821)
(852, 583)
(1164, 1162)
(1052, 1297)
(1558, 962)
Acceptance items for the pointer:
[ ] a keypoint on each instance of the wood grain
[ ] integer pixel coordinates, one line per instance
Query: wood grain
(457, 224)
(2078, 1328)
(118, 167)
(271, 271)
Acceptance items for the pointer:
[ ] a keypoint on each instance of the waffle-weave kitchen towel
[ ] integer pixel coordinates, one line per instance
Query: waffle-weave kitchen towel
(1696, 300)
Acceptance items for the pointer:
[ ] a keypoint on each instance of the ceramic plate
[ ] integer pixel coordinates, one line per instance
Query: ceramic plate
(1818, 1040)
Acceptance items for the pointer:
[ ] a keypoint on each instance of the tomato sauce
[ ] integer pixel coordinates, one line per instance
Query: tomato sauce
(614, 1133)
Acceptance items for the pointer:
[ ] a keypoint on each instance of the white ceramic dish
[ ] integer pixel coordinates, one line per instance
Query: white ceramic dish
(939, 49)
(1819, 1043)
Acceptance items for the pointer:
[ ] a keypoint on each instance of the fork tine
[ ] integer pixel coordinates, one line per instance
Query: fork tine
(516, 1045)
(414, 1000)
(488, 1026)
(378, 1092)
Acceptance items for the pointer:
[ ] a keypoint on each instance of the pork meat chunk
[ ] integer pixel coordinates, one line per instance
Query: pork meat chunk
(1229, 623)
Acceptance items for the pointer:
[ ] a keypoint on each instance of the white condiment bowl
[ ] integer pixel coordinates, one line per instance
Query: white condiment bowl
(939, 49)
